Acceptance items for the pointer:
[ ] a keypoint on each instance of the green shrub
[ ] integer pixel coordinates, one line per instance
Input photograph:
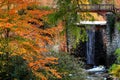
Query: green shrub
(12, 65)
(14, 68)
(115, 68)
(69, 67)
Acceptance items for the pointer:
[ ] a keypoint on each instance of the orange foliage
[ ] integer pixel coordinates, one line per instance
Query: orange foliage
(28, 26)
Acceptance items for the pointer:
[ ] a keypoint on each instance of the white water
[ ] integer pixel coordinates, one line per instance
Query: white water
(91, 45)
(97, 69)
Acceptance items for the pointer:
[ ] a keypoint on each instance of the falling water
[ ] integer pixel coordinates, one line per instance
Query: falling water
(90, 45)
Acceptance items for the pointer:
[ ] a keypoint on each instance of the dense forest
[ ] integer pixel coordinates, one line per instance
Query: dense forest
(41, 40)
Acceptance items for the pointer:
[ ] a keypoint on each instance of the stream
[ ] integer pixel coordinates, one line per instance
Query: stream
(98, 73)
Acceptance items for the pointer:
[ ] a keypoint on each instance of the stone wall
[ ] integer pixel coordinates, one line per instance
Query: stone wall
(113, 41)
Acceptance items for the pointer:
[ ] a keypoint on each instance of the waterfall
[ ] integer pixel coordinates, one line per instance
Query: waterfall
(90, 45)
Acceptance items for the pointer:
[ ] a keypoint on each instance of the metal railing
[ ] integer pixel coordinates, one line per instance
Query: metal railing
(96, 7)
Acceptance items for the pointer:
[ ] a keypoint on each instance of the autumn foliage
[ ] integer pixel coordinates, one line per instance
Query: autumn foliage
(24, 34)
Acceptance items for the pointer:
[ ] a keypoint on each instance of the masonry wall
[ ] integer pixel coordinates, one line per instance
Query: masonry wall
(113, 41)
